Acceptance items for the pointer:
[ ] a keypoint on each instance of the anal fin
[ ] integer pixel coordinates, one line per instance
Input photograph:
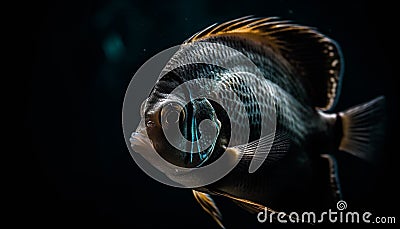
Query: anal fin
(333, 177)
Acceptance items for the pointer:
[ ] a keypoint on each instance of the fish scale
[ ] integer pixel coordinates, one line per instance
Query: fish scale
(292, 115)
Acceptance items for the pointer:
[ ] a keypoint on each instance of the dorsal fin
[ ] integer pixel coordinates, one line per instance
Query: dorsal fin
(316, 58)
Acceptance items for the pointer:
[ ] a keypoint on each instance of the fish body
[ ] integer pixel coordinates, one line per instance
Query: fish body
(285, 97)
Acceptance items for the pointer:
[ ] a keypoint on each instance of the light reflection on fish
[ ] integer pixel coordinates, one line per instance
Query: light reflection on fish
(306, 68)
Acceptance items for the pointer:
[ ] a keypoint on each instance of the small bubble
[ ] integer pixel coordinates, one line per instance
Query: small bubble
(290, 11)
(144, 50)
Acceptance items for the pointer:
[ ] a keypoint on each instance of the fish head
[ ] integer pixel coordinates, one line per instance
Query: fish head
(185, 134)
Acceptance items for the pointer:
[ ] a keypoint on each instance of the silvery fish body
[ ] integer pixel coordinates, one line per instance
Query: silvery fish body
(266, 88)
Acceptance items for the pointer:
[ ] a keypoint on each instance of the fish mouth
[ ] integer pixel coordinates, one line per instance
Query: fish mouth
(140, 142)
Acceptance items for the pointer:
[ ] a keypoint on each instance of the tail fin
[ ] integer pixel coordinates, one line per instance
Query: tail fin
(364, 129)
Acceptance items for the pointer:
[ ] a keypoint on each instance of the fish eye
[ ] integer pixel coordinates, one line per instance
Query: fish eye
(172, 112)
(150, 124)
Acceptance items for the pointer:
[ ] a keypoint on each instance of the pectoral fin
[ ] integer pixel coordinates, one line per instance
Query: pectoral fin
(267, 149)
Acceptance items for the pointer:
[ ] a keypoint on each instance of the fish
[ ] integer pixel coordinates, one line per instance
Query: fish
(294, 80)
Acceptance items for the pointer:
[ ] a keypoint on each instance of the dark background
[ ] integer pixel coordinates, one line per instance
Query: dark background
(79, 170)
